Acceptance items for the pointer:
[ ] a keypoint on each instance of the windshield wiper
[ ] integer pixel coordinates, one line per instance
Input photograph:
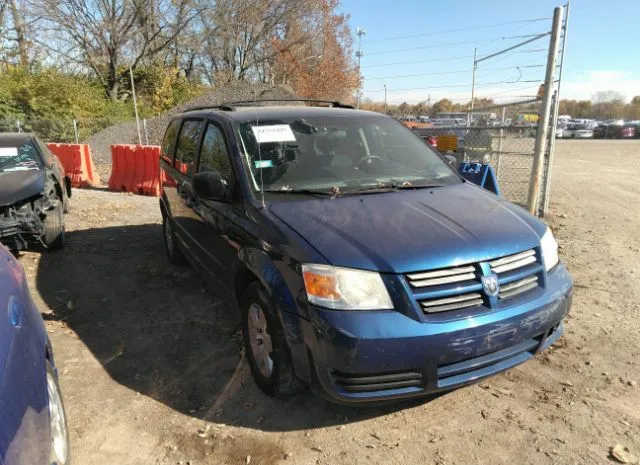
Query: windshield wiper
(313, 192)
(393, 186)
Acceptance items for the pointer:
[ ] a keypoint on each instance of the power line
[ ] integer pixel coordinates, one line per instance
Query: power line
(419, 61)
(473, 28)
(467, 99)
(451, 86)
(440, 73)
(428, 60)
(466, 42)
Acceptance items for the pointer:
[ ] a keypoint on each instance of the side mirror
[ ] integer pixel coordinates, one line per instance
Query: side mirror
(209, 185)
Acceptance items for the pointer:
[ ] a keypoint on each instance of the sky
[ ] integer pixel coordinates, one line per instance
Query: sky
(421, 48)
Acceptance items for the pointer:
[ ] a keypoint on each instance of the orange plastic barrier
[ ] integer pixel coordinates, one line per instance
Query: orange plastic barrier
(77, 163)
(135, 168)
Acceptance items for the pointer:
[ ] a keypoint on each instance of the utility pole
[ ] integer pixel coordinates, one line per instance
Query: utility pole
(473, 84)
(385, 100)
(556, 108)
(360, 31)
(135, 105)
(543, 122)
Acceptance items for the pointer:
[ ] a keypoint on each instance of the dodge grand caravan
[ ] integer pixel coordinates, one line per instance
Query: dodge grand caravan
(362, 264)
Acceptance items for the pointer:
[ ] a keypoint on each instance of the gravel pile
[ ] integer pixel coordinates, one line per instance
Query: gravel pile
(127, 133)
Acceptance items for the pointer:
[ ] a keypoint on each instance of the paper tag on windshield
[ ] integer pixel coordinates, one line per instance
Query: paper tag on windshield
(8, 151)
(274, 133)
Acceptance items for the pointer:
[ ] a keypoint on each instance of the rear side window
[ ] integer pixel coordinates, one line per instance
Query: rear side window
(214, 155)
(187, 146)
(169, 141)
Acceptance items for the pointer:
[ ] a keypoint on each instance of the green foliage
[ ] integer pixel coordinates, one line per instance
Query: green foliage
(47, 101)
(160, 88)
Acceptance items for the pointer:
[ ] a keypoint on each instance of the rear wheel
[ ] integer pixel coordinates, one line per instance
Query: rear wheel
(57, 420)
(54, 228)
(170, 243)
(265, 345)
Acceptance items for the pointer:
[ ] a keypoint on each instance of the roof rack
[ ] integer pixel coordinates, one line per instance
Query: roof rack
(231, 106)
(330, 103)
(222, 106)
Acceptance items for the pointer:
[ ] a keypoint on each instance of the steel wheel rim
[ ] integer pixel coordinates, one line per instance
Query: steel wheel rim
(260, 340)
(168, 236)
(59, 433)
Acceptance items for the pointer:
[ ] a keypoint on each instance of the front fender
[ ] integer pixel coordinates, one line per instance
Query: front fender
(285, 287)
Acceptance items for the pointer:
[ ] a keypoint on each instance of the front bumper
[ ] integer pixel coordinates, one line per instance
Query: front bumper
(359, 357)
(16, 233)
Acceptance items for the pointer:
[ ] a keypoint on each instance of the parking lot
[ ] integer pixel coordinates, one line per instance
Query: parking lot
(152, 369)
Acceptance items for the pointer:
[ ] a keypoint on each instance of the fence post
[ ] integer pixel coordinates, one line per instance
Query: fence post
(543, 122)
(146, 135)
(504, 112)
(18, 125)
(75, 130)
(556, 108)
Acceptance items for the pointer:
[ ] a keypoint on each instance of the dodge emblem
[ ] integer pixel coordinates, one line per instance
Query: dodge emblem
(490, 285)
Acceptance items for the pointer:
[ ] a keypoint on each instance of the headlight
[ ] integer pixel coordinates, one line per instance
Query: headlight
(345, 289)
(549, 248)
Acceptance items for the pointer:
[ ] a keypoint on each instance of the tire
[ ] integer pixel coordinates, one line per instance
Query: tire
(269, 360)
(60, 446)
(54, 228)
(171, 243)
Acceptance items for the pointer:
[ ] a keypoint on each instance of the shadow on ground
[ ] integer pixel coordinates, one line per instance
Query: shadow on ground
(156, 330)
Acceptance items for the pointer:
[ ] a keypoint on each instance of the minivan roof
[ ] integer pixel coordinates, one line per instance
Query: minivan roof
(246, 113)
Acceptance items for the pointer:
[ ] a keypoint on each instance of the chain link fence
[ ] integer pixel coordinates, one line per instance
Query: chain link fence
(508, 149)
(50, 130)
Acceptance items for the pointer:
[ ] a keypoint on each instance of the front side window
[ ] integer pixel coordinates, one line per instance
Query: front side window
(348, 153)
(20, 156)
(187, 146)
(169, 141)
(214, 155)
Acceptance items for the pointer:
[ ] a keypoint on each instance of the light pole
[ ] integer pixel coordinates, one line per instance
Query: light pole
(360, 31)
(385, 100)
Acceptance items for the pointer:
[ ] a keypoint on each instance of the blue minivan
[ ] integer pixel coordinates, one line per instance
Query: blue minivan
(363, 265)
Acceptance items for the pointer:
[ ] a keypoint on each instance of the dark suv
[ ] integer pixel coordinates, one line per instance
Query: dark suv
(361, 262)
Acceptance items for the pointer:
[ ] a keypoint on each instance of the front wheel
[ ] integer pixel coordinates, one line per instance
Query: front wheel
(265, 345)
(170, 243)
(57, 420)
(54, 228)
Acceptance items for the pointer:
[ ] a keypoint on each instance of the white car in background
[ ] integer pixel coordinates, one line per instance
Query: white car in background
(578, 130)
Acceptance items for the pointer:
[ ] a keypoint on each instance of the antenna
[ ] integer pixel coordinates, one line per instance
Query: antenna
(255, 97)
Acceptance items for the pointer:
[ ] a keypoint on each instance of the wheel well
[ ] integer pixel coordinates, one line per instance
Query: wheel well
(242, 279)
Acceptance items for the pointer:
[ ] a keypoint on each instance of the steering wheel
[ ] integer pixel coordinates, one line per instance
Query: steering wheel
(367, 159)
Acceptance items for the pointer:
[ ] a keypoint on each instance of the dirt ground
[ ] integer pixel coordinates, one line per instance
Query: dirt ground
(152, 371)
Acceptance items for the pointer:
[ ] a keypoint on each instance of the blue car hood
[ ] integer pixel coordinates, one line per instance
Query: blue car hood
(404, 231)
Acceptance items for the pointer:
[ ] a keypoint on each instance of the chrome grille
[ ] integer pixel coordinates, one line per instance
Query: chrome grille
(460, 287)
(518, 287)
(470, 299)
(444, 276)
(513, 262)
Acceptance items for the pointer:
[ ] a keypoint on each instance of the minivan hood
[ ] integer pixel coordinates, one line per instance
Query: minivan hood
(404, 231)
(19, 185)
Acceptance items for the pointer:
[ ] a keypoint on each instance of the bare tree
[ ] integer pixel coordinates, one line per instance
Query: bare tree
(109, 36)
(236, 36)
(14, 32)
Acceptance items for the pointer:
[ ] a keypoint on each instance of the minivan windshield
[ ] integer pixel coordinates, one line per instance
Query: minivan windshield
(338, 154)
